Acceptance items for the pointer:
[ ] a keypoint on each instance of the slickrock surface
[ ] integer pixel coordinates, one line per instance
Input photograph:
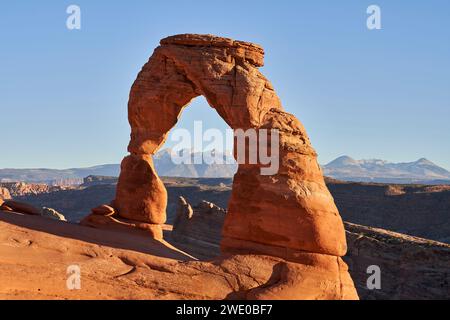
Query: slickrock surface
(36, 252)
(290, 214)
(125, 226)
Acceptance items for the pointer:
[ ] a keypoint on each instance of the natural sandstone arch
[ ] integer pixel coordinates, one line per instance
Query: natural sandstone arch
(291, 214)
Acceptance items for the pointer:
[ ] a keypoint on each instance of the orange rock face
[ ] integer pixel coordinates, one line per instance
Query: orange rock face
(103, 210)
(289, 214)
(4, 194)
(108, 222)
(21, 207)
(141, 195)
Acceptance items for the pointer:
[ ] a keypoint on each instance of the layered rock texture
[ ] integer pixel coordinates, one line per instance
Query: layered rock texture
(289, 214)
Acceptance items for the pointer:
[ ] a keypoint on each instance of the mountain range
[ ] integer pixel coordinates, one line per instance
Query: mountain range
(162, 160)
(422, 171)
(344, 168)
(223, 166)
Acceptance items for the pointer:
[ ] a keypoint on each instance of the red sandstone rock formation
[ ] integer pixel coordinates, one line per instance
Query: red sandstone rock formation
(4, 194)
(18, 189)
(21, 207)
(103, 210)
(28, 209)
(290, 215)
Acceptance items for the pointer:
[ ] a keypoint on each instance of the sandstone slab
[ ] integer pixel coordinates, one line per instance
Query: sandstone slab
(33, 265)
(153, 231)
(21, 207)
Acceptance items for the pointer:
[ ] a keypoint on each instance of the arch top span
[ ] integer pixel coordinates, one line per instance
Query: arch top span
(251, 52)
(183, 67)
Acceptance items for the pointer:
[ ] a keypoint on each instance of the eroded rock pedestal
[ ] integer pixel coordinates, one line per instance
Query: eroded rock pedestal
(289, 214)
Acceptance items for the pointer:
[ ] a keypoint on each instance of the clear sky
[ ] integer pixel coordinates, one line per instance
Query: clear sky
(368, 94)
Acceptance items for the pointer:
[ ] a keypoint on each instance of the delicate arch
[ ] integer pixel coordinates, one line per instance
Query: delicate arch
(288, 214)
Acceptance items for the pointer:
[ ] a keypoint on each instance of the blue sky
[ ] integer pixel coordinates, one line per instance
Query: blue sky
(368, 94)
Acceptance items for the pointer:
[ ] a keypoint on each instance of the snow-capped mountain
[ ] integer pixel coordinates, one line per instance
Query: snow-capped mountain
(202, 165)
(211, 164)
(375, 170)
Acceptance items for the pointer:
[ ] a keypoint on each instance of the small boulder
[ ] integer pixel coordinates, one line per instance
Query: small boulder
(52, 214)
(184, 213)
(153, 231)
(4, 194)
(103, 210)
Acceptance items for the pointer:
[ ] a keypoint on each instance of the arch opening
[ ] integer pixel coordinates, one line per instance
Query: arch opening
(200, 129)
(200, 145)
